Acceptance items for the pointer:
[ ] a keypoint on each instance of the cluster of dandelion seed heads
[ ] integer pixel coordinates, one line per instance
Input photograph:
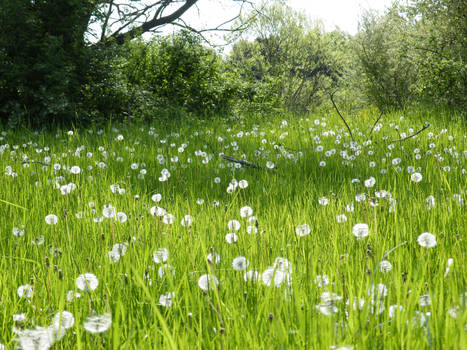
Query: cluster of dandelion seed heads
(370, 203)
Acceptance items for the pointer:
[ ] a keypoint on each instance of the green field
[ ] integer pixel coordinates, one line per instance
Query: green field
(158, 242)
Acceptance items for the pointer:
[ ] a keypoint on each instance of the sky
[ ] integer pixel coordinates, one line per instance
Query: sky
(343, 14)
(338, 13)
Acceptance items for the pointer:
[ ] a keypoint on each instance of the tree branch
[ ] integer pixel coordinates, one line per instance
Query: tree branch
(427, 125)
(106, 20)
(376, 122)
(340, 115)
(154, 22)
(240, 161)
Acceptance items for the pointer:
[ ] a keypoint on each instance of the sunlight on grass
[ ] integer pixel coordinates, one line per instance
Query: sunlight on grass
(146, 237)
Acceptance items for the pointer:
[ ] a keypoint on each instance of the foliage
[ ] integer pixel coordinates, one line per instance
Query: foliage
(388, 74)
(50, 73)
(291, 63)
(42, 60)
(415, 54)
(178, 71)
(439, 42)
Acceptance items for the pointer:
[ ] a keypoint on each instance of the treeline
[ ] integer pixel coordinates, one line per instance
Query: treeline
(411, 55)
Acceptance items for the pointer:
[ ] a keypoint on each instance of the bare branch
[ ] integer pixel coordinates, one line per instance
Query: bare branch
(134, 16)
(106, 20)
(129, 19)
(331, 95)
(154, 22)
(218, 28)
(427, 125)
(240, 161)
(34, 162)
(376, 122)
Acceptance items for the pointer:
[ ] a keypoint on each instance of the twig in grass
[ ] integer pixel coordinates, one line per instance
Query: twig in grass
(34, 161)
(240, 161)
(221, 322)
(426, 126)
(340, 115)
(290, 149)
(236, 160)
(374, 125)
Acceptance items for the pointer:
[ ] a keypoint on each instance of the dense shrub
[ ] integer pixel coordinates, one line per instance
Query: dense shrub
(178, 71)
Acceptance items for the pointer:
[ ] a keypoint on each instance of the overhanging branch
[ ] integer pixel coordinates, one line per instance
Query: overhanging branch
(156, 21)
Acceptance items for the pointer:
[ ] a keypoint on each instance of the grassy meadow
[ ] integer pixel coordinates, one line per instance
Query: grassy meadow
(142, 236)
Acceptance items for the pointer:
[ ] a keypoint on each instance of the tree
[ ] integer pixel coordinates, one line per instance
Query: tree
(291, 61)
(439, 43)
(388, 73)
(55, 53)
(415, 54)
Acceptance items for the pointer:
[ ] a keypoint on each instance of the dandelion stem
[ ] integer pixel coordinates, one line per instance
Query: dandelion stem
(391, 250)
(13, 204)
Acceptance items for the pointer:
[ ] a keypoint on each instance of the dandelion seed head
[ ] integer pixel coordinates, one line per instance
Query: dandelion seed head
(64, 319)
(168, 219)
(370, 182)
(157, 211)
(187, 220)
(243, 184)
(214, 258)
(160, 255)
(25, 291)
(240, 263)
(416, 177)
(251, 276)
(274, 276)
(98, 324)
(233, 225)
(426, 240)
(231, 238)
(425, 300)
(322, 280)
(75, 170)
(109, 211)
(302, 230)
(51, 219)
(121, 217)
(341, 218)
(360, 230)
(18, 232)
(156, 197)
(207, 282)
(87, 282)
(323, 201)
(166, 300)
(246, 211)
(385, 266)
(430, 202)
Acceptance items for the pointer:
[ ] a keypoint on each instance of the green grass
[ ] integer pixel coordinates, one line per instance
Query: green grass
(238, 314)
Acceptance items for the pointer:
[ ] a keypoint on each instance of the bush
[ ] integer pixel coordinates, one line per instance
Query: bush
(178, 71)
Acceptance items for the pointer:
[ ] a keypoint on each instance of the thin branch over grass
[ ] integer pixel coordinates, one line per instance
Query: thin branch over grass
(376, 122)
(340, 115)
(427, 125)
(240, 161)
